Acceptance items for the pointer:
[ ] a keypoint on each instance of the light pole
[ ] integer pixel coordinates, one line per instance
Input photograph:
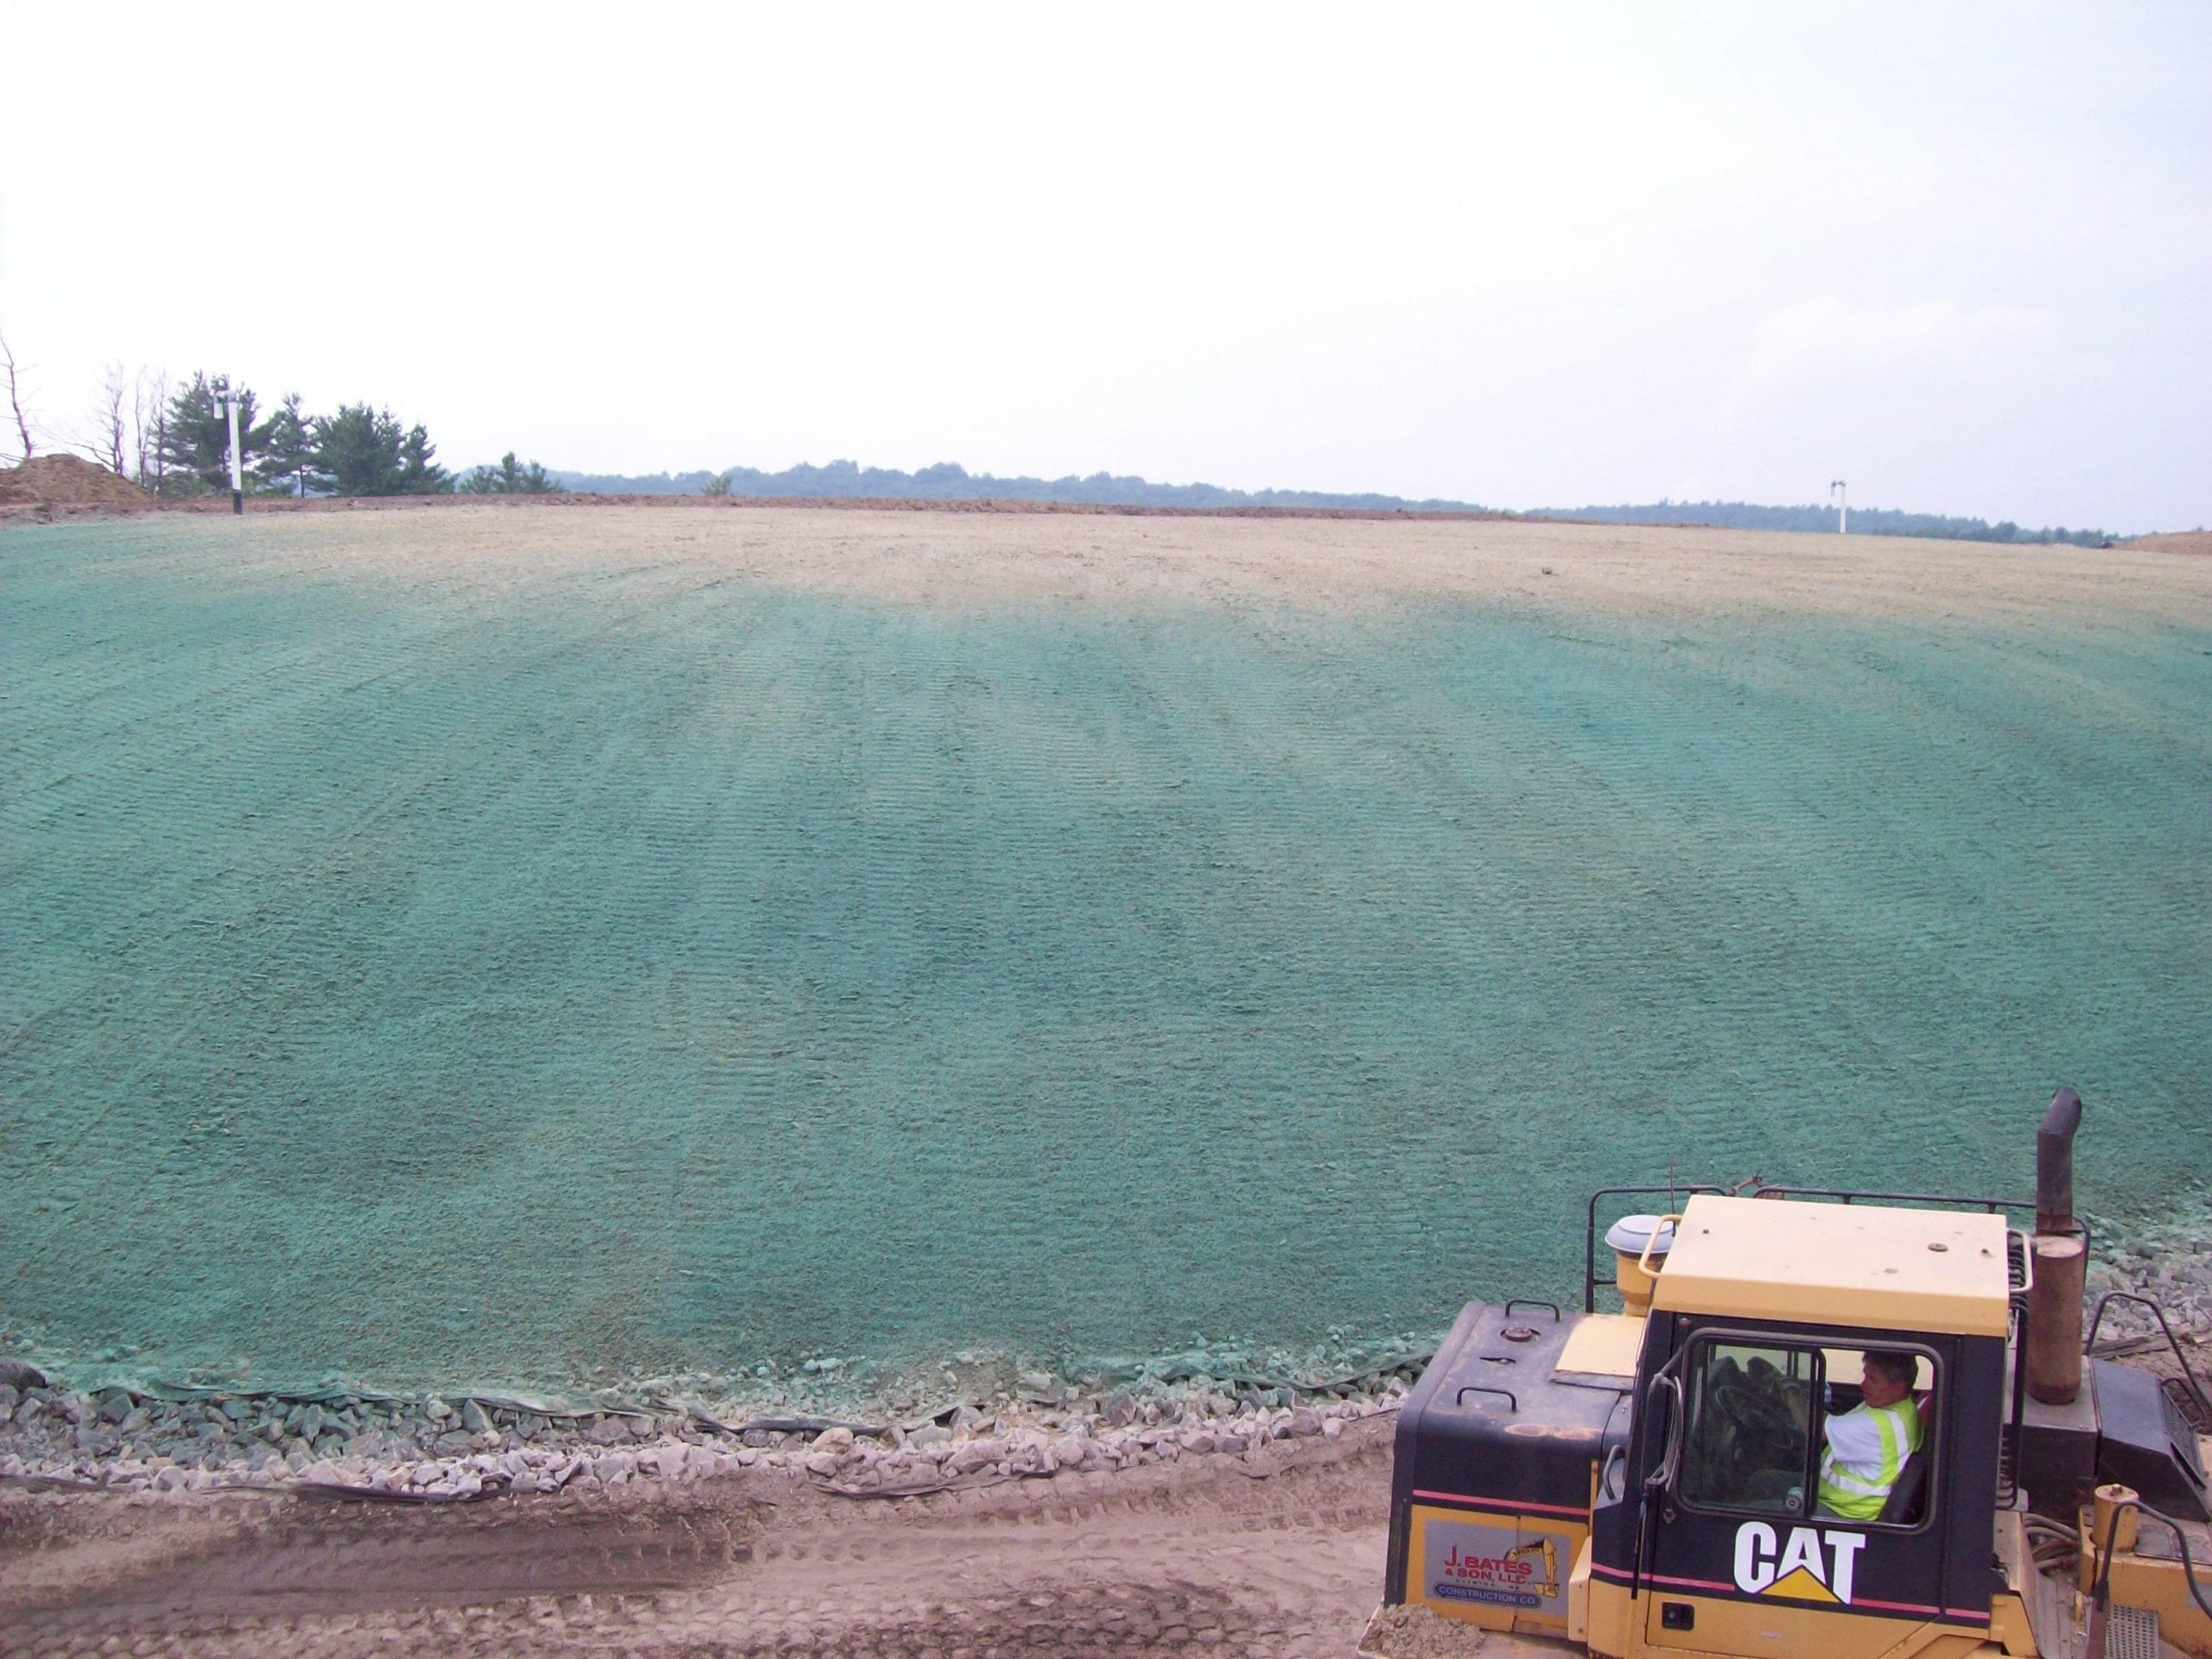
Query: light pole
(1841, 496)
(237, 475)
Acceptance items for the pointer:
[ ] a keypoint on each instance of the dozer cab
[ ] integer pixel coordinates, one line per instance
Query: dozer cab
(1650, 1481)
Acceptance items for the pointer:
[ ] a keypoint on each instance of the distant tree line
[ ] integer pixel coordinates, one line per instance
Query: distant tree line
(357, 450)
(183, 447)
(173, 440)
(1865, 521)
(949, 482)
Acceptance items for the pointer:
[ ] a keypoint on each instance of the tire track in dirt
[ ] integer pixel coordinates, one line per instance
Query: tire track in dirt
(1280, 1555)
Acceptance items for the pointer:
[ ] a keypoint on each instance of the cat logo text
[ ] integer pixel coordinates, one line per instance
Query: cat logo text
(1812, 1564)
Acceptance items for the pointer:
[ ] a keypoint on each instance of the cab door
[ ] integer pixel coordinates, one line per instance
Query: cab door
(1738, 1557)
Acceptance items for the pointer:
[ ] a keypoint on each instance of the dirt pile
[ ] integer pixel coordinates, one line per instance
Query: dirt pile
(2179, 540)
(67, 481)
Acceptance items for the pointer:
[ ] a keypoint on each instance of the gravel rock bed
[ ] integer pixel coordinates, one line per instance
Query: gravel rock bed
(373, 1448)
(2176, 1273)
(377, 1448)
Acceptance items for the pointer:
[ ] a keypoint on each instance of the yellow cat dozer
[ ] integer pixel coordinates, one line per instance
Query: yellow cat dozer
(1650, 1481)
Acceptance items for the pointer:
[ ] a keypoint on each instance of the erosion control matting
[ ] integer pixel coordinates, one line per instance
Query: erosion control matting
(498, 946)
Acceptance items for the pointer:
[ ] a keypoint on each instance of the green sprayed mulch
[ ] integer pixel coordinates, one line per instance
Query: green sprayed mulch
(648, 970)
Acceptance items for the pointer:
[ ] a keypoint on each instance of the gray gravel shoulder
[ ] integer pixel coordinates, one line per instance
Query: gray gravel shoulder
(434, 1449)
(372, 1447)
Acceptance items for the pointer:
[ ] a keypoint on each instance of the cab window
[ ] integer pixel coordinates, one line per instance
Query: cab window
(1750, 1410)
(1756, 1429)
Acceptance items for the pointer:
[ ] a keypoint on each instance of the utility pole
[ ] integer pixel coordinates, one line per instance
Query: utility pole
(1841, 496)
(237, 475)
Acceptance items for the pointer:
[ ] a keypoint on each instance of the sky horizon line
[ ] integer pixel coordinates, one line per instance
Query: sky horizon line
(1958, 254)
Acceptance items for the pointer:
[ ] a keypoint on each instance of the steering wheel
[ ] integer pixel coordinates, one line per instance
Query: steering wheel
(1758, 1420)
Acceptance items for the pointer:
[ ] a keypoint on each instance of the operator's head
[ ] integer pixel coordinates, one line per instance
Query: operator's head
(1887, 1376)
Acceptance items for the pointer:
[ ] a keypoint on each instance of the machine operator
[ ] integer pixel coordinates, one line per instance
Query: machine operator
(1867, 1445)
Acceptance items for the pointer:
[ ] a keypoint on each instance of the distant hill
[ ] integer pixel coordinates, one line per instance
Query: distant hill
(949, 482)
(1865, 521)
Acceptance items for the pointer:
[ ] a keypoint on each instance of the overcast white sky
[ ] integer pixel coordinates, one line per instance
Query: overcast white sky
(1960, 255)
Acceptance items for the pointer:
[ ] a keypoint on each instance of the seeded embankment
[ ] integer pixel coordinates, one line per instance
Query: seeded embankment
(721, 954)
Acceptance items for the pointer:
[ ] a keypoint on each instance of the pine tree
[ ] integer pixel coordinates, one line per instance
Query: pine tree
(418, 473)
(287, 464)
(196, 439)
(362, 451)
(509, 477)
(357, 450)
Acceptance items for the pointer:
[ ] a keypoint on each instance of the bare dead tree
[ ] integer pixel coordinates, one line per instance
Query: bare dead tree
(103, 431)
(107, 417)
(138, 426)
(16, 400)
(150, 404)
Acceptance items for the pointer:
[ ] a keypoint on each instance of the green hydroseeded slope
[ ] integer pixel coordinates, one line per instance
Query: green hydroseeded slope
(658, 970)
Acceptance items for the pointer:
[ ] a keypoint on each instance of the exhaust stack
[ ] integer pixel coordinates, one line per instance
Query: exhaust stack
(2061, 1260)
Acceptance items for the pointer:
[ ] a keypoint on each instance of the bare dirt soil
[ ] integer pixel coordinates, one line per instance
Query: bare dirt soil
(1278, 1553)
(970, 555)
(1647, 567)
(2197, 542)
(47, 481)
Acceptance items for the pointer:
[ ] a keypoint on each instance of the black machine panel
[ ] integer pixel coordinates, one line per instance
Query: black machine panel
(1492, 1421)
(2145, 1441)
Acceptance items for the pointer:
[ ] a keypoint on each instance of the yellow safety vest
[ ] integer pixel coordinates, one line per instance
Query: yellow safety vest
(1856, 1496)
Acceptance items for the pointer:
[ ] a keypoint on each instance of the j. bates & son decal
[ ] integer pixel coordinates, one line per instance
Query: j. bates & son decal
(1498, 1565)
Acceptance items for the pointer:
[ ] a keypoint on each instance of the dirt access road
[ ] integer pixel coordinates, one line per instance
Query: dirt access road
(1278, 1553)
